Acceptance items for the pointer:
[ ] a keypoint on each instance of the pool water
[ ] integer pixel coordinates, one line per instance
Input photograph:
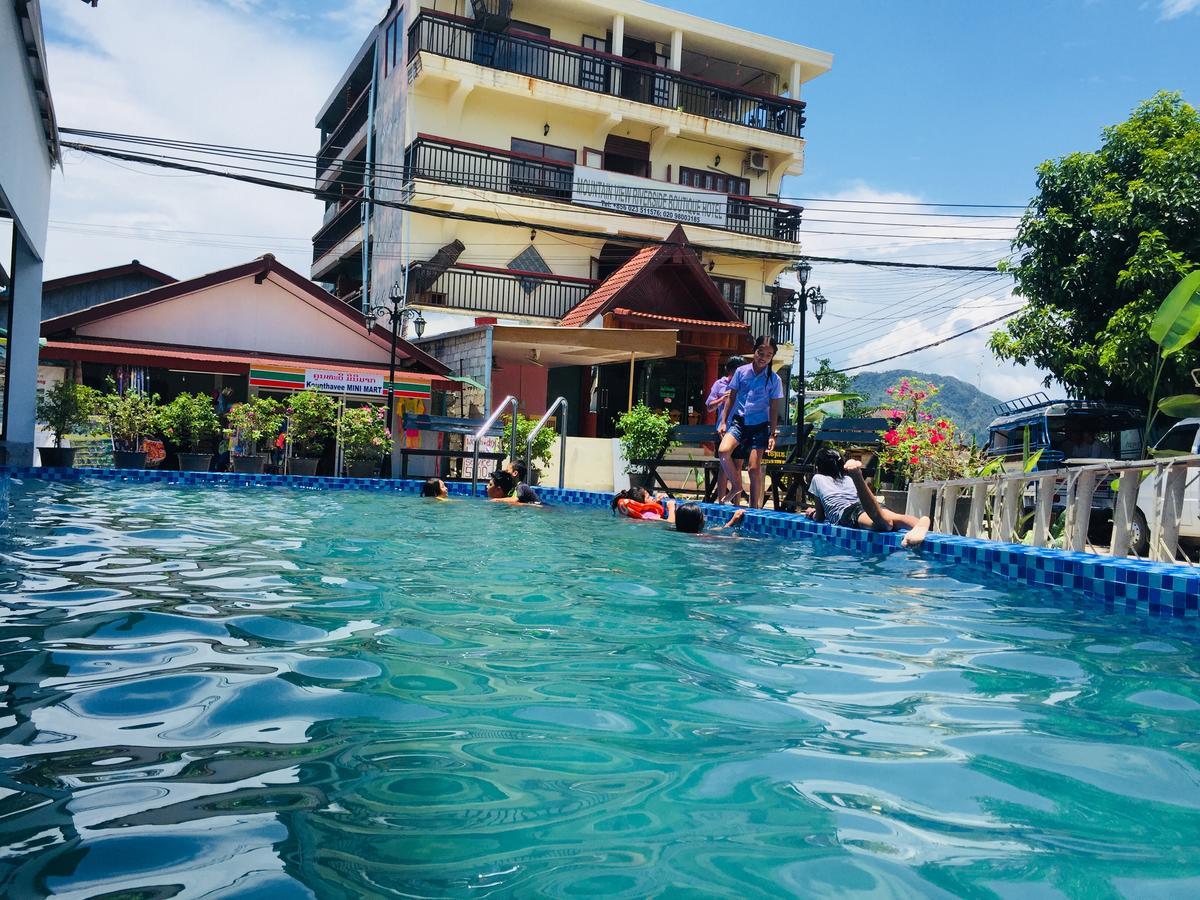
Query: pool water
(285, 693)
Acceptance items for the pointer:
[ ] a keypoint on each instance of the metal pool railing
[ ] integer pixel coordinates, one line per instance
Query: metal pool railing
(508, 401)
(562, 439)
(1137, 507)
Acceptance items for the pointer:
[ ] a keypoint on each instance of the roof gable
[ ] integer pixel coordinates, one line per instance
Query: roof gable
(662, 280)
(260, 306)
(121, 271)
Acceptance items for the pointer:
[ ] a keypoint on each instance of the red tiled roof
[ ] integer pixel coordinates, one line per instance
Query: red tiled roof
(590, 305)
(233, 362)
(680, 320)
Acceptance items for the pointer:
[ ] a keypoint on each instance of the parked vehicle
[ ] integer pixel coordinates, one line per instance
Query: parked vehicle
(1181, 439)
(1066, 432)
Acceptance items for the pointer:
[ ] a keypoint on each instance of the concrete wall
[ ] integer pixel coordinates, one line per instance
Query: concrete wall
(465, 354)
(387, 234)
(589, 464)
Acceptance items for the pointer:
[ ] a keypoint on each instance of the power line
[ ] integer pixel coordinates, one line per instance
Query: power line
(875, 362)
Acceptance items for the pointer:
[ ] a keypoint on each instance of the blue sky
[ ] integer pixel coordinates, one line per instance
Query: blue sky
(951, 102)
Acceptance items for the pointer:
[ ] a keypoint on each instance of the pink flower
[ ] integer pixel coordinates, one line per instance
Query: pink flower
(891, 390)
(925, 417)
(936, 437)
(910, 431)
(942, 423)
(913, 460)
(920, 395)
(892, 438)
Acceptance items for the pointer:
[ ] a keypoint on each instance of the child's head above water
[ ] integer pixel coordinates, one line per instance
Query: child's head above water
(689, 518)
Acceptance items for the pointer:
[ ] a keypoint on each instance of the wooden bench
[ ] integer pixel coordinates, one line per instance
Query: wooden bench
(691, 438)
(450, 426)
(791, 476)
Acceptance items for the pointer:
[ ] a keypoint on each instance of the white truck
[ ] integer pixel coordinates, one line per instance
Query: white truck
(1181, 439)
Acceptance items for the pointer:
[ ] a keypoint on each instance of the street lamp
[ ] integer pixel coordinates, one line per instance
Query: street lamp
(804, 297)
(399, 312)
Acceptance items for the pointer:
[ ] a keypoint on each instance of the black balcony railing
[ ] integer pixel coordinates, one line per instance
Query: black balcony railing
(506, 292)
(338, 228)
(487, 168)
(591, 70)
(765, 320)
(343, 132)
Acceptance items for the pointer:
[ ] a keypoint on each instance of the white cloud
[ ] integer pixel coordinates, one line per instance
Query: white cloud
(874, 313)
(1173, 9)
(222, 78)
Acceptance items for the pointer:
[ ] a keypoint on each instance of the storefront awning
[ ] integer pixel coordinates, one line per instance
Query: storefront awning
(555, 346)
(275, 372)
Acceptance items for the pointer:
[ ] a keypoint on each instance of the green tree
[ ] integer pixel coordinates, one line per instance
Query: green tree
(826, 378)
(1106, 238)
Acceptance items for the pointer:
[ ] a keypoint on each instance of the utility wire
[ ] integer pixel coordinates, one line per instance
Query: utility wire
(875, 362)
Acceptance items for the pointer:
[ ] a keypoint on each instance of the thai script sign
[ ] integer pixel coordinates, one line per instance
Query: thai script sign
(642, 196)
(343, 382)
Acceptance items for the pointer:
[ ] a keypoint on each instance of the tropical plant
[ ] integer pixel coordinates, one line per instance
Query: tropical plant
(66, 406)
(130, 417)
(1174, 328)
(188, 421)
(250, 422)
(311, 421)
(1107, 235)
(543, 442)
(644, 435)
(364, 433)
(921, 445)
(827, 378)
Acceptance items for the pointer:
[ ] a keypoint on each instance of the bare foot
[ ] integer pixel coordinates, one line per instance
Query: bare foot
(734, 498)
(916, 534)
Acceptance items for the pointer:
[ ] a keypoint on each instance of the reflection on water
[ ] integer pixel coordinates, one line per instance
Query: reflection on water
(306, 694)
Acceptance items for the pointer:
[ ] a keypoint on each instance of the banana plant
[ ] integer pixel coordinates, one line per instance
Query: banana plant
(1176, 325)
(814, 409)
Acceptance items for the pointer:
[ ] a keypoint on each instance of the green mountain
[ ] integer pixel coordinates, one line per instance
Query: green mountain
(969, 407)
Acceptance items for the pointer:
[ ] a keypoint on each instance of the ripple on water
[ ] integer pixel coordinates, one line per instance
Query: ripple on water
(291, 693)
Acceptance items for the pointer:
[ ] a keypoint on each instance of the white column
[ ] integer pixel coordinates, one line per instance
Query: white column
(794, 82)
(617, 49)
(676, 50)
(25, 295)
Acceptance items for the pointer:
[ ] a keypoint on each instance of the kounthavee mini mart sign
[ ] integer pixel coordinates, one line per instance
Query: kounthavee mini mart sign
(335, 382)
(328, 380)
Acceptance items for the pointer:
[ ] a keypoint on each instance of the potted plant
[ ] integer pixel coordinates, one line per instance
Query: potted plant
(189, 420)
(543, 443)
(645, 434)
(365, 440)
(130, 417)
(250, 422)
(311, 418)
(64, 407)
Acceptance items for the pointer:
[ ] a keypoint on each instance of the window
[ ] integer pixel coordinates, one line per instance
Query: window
(1179, 439)
(593, 72)
(529, 177)
(714, 181)
(391, 42)
(733, 290)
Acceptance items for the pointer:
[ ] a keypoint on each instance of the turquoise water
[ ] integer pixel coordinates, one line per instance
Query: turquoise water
(289, 694)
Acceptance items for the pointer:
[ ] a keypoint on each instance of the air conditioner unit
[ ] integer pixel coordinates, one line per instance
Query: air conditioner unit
(756, 161)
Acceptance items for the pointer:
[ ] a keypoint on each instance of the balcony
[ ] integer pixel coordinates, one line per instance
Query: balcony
(345, 220)
(506, 292)
(343, 132)
(603, 73)
(491, 169)
(766, 320)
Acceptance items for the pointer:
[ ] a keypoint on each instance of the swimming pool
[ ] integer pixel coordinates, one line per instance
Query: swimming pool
(313, 693)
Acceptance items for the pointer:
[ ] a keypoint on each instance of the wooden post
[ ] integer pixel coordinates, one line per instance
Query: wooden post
(1010, 508)
(1168, 507)
(947, 501)
(1079, 509)
(979, 492)
(631, 358)
(1043, 510)
(1123, 508)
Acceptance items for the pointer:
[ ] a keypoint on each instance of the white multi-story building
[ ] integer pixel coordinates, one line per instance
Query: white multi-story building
(509, 159)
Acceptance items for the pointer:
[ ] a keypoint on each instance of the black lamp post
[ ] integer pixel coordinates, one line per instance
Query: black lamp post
(804, 297)
(399, 312)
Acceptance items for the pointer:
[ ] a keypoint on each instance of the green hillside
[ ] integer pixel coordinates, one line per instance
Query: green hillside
(969, 407)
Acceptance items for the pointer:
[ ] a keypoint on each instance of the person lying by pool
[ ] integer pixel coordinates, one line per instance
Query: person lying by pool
(435, 488)
(636, 503)
(843, 498)
(503, 488)
(689, 518)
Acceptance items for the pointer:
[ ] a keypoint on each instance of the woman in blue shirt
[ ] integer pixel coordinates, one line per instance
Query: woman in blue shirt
(757, 393)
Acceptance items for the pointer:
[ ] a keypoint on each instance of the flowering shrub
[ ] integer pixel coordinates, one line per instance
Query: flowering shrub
(365, 434)
(311, 419)
(252, 421)
(188, 421)
(922, 445)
